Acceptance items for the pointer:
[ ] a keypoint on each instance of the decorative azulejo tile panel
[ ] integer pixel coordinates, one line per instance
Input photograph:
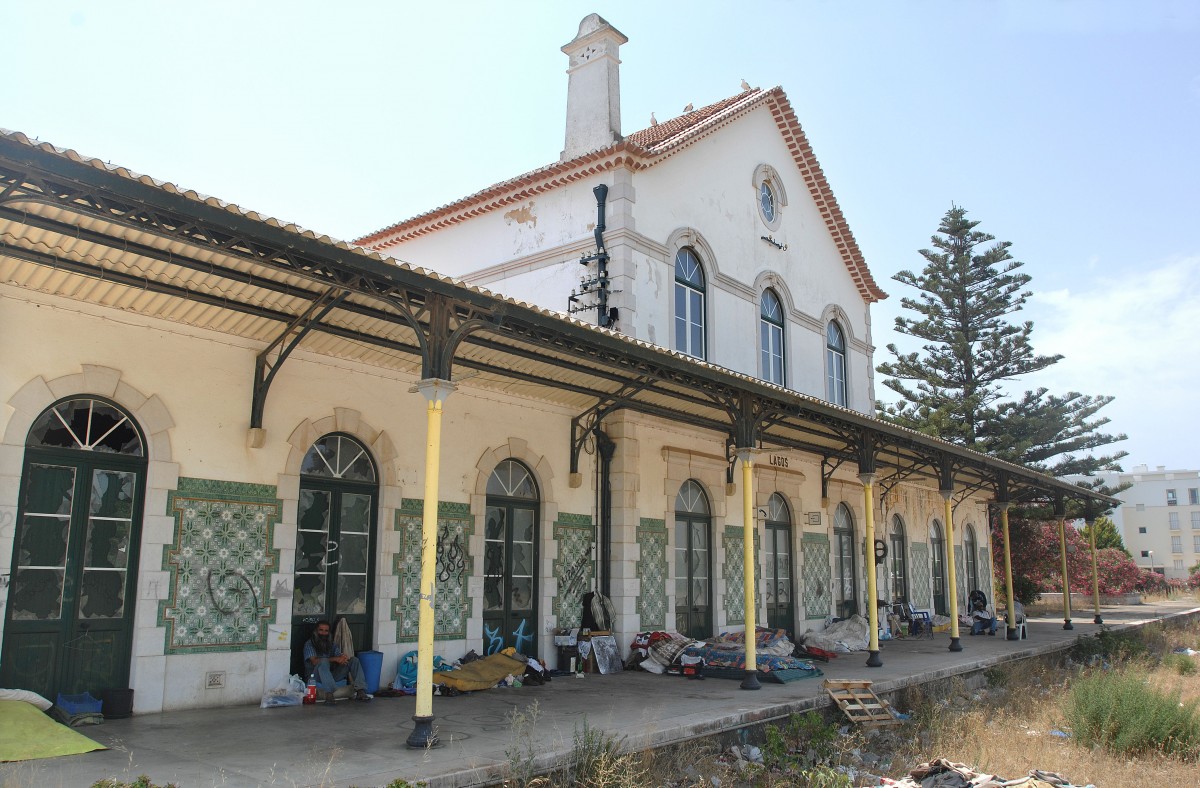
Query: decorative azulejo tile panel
(735, 575)
(921, 585)
(818, 575)
(454, 565)
(574, 568)
(220, 563)
(985, 571)
(652, 569)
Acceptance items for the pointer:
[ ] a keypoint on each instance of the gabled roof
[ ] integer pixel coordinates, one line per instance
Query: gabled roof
(641, 150)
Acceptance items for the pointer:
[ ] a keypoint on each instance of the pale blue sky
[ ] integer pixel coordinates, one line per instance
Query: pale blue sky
(1068, 128)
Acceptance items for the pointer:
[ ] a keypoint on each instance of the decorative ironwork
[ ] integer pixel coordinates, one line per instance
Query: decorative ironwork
(282, 347)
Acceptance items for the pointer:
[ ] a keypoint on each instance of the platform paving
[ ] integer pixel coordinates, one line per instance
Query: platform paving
(362, 744)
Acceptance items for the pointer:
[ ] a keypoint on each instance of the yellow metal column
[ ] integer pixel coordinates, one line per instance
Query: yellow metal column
(1008, 575)
(1091, 526)
(1066, 581)
(435, 392)
(955, 642)
(868, 483)
(750, 682)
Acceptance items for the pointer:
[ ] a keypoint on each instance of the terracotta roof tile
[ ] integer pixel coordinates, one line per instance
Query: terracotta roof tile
(643, 149)
(657, 136)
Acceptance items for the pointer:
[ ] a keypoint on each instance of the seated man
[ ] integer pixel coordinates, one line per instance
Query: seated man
(325, 659)
(981, 616)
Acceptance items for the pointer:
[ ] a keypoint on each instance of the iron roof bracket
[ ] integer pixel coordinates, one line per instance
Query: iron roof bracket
(282, 346)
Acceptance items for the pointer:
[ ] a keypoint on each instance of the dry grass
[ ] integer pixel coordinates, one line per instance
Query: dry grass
(1008, 730)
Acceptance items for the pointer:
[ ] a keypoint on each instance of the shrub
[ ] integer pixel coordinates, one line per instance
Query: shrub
(522, 750)
(1122, 714)
(596, 760)
(824, 777)
(806, 741)
(1181, 664)
(1109, 645)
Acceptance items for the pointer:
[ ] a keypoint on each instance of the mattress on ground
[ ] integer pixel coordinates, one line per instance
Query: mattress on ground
(480, 674)
(27, 733)
(772, 654)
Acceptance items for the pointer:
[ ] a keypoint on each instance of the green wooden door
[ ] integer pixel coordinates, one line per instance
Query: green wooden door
(335, 538)
(845, 571)
(937, 561)
(69, 618)
(781, 606)
(693, 561)
(510, 560)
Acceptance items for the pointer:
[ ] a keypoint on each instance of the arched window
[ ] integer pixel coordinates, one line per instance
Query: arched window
(780, 607)
(971, 560)
(937, 560)
(693, 575)
(335, 540)
(510, 553)
(835, 364)
(770, 337)
(75, 551)
(844, 578)
(689, 303)
(898, 561)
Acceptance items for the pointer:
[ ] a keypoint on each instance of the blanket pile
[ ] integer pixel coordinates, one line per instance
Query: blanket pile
(664, 651)
(840, 637)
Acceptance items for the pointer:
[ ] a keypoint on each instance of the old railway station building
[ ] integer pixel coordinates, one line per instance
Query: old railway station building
(218, 429)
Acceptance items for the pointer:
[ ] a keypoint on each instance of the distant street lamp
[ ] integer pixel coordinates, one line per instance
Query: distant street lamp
(1151, 559)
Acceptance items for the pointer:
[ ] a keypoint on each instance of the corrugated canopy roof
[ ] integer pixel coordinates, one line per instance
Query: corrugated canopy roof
(78, 228)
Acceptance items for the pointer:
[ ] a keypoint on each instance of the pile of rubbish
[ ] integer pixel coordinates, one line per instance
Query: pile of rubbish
(941, 773)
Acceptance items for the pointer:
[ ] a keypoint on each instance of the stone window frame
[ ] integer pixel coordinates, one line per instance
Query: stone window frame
(765, 173)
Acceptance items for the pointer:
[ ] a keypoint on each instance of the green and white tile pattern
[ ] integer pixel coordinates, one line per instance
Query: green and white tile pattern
(220, 562)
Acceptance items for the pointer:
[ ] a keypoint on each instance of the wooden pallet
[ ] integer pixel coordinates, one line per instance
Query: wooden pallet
(859, 703)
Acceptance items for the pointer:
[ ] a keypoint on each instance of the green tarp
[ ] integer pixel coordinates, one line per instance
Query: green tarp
(27, 733)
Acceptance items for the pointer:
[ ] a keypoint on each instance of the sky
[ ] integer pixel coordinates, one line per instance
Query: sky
(1070, 129)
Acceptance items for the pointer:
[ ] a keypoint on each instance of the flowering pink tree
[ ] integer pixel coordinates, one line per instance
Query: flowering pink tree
(1037, 562)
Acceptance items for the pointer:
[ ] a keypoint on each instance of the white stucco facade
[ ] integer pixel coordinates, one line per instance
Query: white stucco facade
(188, 389)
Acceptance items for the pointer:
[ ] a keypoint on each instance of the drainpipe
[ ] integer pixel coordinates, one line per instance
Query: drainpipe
(605, 448)
(604, 317)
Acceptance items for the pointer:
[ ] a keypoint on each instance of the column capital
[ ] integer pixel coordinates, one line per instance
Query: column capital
(1004, 506)
(946, 494)
(867, 478)
(746, 454)
(434, 389)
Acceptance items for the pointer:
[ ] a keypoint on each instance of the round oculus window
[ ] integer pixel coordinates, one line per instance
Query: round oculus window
(766, 201)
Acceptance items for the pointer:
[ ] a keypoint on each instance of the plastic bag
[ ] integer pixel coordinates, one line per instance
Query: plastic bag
(289, 692)
(406, 672)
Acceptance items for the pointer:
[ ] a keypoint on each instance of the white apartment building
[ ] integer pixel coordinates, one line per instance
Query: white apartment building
(1160, 519)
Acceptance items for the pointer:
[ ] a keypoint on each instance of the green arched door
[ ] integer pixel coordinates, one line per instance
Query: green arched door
(693, 562)
(335, 541)
(937, 563)
(510, 558)
(68, 624)
(781, 608)
(844, 565)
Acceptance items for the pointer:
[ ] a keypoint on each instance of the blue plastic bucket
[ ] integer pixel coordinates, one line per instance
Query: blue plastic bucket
(372, 664)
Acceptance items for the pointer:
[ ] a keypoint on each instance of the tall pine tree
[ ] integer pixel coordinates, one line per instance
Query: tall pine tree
(969, 289)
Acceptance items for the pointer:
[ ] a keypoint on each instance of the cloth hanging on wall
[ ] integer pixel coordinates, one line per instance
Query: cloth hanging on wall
(343, 638)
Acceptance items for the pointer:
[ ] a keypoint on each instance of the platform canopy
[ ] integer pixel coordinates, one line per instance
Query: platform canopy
(79, 228)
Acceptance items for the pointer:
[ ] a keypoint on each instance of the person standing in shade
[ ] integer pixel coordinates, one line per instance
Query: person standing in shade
(324, 657)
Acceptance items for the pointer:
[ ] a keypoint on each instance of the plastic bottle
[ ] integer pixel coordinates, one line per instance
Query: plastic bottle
(310, 692)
